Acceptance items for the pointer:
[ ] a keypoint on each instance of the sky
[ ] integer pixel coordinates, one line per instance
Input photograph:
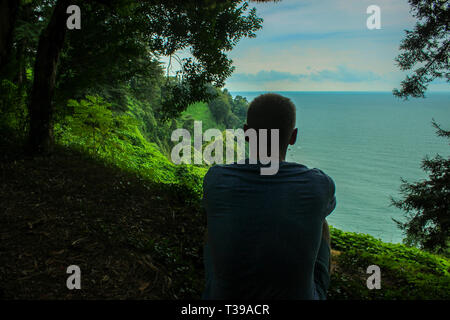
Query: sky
(311, 45)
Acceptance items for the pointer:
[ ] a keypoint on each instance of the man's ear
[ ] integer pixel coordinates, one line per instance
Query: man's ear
(293, 136)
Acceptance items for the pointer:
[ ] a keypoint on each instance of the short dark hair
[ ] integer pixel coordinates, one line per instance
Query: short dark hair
(273, 111)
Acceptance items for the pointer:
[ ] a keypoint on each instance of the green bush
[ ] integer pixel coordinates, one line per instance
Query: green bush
(116, 139)
(406, 272)
(13, 110)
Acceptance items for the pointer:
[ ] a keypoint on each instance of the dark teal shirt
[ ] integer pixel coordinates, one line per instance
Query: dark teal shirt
(264, 231)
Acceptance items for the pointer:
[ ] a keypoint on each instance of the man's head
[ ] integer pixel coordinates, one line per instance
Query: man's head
(273, 111)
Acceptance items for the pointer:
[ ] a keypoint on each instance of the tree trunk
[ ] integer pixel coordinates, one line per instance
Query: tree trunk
(51, 42)
(8, 16)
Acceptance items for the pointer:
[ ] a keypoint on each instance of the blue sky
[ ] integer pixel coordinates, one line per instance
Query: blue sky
(311, 45)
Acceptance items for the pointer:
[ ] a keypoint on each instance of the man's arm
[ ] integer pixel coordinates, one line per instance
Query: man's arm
(326, 232)
(326, 237)
(332, 202)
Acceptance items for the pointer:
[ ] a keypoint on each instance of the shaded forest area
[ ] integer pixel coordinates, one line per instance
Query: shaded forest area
(86, 120)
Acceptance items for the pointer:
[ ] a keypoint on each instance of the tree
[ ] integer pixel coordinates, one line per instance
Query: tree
(94, 121)
(240, 106)
(233, 122)
(427, 204)
(220, 108)
(208, 28)
(8, 17)
(112, 55)
(426, 48)
(50, 44)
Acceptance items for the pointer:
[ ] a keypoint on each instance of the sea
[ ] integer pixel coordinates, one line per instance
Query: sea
(367, 142)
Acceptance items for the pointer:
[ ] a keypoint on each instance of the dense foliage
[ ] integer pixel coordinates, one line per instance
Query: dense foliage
(406, 272)
(426, 48)
(427, 205)
(117, 49)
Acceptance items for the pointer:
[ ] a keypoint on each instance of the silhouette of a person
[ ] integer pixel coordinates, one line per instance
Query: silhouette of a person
(267, 237)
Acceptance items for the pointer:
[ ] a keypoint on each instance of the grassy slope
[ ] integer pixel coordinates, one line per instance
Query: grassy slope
(200, 112)
(406, 273)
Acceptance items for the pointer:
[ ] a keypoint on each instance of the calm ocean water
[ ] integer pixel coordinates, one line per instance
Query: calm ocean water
(366, 142)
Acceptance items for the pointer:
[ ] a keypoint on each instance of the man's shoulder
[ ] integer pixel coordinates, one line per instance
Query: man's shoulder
(286, 168)
(314, 175)
(326, 180)
(246, 168)
(320, 173)
(301, 168)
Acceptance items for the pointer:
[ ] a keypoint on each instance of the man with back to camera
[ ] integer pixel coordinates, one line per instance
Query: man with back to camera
(267, 237)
